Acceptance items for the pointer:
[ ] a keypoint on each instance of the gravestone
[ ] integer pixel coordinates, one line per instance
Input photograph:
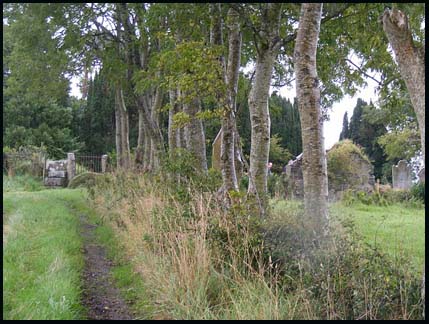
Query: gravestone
(56, 172)
(295, 178)
(401, 175)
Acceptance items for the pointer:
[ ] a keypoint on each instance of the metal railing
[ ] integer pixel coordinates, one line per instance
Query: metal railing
(88, 163)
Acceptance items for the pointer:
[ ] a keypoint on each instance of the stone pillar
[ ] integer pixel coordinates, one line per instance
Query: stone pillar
(401, 175)
(71, 166)
(103, 163)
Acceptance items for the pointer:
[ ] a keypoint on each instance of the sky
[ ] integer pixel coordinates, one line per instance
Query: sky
(332, 128)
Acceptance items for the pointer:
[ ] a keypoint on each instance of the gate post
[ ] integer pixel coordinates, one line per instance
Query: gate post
(71, 166)
(103, 163)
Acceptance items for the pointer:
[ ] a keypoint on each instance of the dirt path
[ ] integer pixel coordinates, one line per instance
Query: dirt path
(100, 296)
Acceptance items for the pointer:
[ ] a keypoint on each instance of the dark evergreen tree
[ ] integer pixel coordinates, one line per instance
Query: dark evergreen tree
(97, 117)
(345, 131)
(285, 123)
(364, 130)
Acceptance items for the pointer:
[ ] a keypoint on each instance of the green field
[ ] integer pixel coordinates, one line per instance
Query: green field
(397, 229)
(42, 257)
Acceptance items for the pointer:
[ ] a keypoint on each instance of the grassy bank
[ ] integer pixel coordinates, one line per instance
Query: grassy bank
(199, 261)
(42, 258)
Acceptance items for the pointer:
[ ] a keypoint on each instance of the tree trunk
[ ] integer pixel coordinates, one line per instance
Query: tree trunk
(119, 153)
(125, 144)
(308, 94)
(258, 104)
(140, 141)
(227, 159)
(156, 105)
(411, 62)
(146, 152)
(195, 136)
(173, 136)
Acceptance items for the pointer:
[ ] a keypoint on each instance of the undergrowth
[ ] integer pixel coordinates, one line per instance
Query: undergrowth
(201, 261)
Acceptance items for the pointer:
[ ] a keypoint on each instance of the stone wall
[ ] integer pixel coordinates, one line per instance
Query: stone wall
(362, 178)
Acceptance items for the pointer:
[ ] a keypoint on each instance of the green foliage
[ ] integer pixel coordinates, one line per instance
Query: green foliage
(86, 179)
(418, 191)
(402, 144)
(285, 123)
(22, 183)
(94, 119)
(345, 131)
(279, 156)
(346, 271)
(27, 160)
(365, 127)
(410, 198)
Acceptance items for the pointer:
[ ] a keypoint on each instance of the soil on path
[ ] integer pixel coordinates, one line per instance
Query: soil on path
(100, 296)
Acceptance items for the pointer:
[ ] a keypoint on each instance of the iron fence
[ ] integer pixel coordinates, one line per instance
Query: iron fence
(88, 163)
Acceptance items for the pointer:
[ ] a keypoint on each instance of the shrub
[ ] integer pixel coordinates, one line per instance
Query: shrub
(28, 160)
(418, 191)
(343, 278)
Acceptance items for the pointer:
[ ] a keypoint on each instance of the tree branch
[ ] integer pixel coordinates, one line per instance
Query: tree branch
(364, 73)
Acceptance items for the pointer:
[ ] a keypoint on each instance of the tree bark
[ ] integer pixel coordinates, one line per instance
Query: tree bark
(119, 153)
(411, 62)
(195, 136)
(308, 94)
(258, 104)
(140, 141)
(125, 144)
(227, 159)
(173, 136)
(156, 105)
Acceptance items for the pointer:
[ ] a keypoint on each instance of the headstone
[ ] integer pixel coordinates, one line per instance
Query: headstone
(422, 175)
(401, 175)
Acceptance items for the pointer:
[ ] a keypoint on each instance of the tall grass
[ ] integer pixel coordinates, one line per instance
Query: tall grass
(200, 261)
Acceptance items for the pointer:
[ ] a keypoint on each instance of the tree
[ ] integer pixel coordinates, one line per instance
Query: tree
(37, 107)
(285, 124)
(314, 167)
(267, 49)
(366, 126)
(345, 131)
(411, 62)
(228, 149)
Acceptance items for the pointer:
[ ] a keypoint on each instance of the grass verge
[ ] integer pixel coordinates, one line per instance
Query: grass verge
(42, 258)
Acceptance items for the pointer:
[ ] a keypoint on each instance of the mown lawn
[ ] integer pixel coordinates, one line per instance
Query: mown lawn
(397, 230)
(42, 257)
